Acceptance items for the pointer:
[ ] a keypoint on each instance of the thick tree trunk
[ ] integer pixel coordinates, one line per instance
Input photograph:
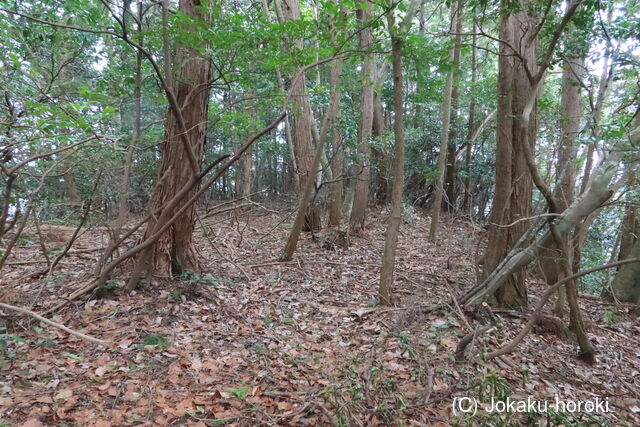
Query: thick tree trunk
(626, 285)
(512, 200)
(173, 252)
(552, 261)
(302, 130)
(361, 192)
(308, 190)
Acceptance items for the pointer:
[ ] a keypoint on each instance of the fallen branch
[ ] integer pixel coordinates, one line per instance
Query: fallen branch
(54, 324)
(508, 348)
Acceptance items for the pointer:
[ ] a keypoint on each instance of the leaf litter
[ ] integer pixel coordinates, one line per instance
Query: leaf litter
(253, 341)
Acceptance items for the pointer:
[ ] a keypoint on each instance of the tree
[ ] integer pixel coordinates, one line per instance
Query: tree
(570, 114)
(512, 198)
(361, 192)
(302, 137)
(180, 162)
(397, 32)
(454, 56)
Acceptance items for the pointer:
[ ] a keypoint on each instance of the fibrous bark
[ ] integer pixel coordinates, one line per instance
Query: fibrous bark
(173, 251)
(302, 137)
(513, 189)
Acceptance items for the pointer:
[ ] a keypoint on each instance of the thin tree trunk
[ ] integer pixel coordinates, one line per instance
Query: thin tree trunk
(444, 132)
(361, 192)
(395, 216)
(451, 191)
(246, 160)
(466, 201)
(337, 187)
(605, 77)
(123, 209)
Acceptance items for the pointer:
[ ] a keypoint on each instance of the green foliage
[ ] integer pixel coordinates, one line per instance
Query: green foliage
(157, 340)
(240, 392)
(492, 386)
(9, 337)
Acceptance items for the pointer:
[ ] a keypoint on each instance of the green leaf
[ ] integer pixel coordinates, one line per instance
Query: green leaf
(239, 392)
(72, 356)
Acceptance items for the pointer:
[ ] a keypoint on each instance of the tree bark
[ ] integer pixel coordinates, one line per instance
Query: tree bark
(451, 191)
(626, 285)
(337, 187)
(173, 252)
(361, 192)
(513, 188)
(552, 262)
(302, 130)
(595, 195)
(395, 216)
(444, 132)
(308, 190)
(467, 197)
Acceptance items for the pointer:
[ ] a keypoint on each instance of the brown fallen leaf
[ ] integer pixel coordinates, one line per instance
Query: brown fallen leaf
(33, 422)
(63, 394)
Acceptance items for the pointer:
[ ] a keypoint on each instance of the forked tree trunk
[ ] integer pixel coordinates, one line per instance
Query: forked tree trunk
(513, 190)
(173, 252)
(595, 195)
(361, 192)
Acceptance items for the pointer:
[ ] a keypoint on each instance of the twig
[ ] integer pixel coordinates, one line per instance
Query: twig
(54, 324)
(509, 347)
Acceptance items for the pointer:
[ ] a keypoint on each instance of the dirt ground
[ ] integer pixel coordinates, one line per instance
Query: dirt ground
(253, 341)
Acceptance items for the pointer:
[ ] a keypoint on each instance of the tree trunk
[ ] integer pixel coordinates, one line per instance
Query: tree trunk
(451, 192)
(361, 192)
(444, 133)
(395, 216)
(302, 125)
(173, 251)
(513, 190)
(467, 197)
(383, 161)
(337, 187)
(70, 187)
(308, 190)
(626, 285)
(596, 194)
(552, 262)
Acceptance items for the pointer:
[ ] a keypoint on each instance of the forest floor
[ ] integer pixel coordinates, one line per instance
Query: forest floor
(252, 341)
